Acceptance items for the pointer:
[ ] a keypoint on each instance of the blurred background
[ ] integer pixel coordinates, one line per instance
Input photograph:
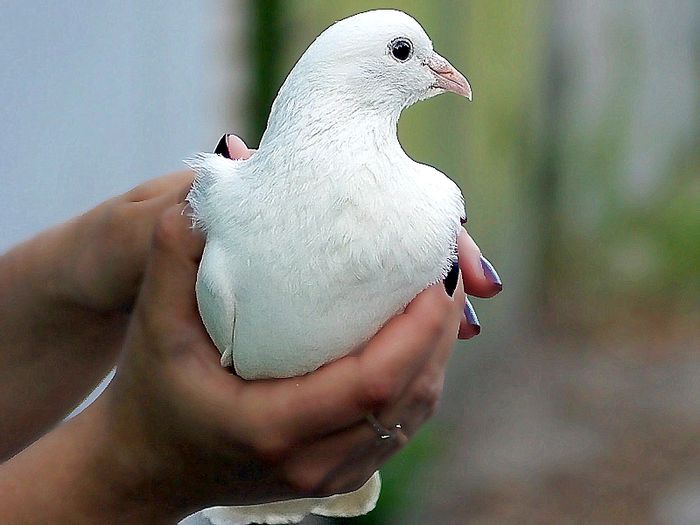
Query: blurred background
(580, 162)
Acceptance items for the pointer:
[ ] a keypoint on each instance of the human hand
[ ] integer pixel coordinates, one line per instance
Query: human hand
(65, 299)
(102, 253)
(189, 434)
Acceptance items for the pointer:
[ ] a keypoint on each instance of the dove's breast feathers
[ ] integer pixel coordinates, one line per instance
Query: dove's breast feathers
(318, 255)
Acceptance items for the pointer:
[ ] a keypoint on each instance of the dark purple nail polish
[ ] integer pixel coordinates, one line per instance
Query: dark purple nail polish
(490, 272)
(470, 314)
(450, 280)
(222, 147)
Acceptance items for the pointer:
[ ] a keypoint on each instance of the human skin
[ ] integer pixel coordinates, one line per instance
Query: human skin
(175, 432)
(64, 307)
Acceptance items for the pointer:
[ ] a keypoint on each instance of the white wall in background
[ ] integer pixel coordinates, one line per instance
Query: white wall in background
(96, 97)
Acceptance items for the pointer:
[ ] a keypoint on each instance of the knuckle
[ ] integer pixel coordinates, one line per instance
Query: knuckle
(167, 229)
(380, 391)
(308, 477)
(273, 449)
(427, 394)
(271, 439)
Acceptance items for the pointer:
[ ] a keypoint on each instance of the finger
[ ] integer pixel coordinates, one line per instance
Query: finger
(444, 345)
(480, 277)
(427, 318)
(469, 325)
(419, 399)
(336, 462)
(152, 209)
(148, 212)
(173, 183)
(341, 393)
(416, 405)
(344, 460)
(232, 147)
(171, 271)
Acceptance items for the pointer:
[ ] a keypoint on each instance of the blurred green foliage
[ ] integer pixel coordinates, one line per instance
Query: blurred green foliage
(267, 45)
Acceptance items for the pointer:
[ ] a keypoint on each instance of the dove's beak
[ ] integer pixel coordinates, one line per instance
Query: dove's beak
(447, 77)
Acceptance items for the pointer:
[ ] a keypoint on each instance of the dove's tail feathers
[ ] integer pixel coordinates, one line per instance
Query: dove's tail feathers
(347, 505)
(210, 169)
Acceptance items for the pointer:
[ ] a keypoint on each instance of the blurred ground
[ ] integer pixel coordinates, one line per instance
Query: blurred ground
(602, 429)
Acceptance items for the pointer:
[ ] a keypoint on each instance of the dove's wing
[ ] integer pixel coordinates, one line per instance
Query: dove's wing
(215, 297)
(216, 301)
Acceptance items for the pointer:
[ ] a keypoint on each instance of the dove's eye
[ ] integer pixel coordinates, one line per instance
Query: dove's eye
(401, 49)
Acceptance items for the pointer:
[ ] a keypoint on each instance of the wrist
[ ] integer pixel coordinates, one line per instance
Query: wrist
(53, 349)
(83, 477)
(150, 476)
(130, 481)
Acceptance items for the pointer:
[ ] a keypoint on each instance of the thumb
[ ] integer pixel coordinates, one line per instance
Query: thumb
(171, 272)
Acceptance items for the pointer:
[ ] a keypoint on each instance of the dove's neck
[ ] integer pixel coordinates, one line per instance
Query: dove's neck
(330, 121)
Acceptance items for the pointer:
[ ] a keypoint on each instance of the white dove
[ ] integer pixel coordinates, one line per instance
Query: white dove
(329, 229)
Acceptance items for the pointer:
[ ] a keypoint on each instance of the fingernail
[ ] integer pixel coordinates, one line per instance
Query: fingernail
(465, 216)
(450, 280)
(222, 146)
(470, 314)
(490, 273)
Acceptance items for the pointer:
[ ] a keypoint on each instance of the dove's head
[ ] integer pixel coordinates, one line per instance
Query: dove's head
(379, 60)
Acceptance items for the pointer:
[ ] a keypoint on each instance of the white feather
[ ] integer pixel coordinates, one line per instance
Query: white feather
(329, 229)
